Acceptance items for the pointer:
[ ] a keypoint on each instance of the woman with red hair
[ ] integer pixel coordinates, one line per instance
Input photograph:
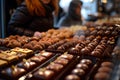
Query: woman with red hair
(33, 16)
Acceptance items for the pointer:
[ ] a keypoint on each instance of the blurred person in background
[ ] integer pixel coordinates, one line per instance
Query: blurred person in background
(73, 16)
(32, 17)
(60, 14)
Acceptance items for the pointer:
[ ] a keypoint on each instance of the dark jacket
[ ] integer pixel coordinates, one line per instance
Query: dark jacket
(22, 23)
(71, 18)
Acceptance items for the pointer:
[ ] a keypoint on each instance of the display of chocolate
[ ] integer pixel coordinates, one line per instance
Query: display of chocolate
(75, 60)
(12, 73)
(8, 58)
(104, 71)
(44, 74)
(81, 69)
(56, 65)
(27, 65)
(3, 63)
(72, 77)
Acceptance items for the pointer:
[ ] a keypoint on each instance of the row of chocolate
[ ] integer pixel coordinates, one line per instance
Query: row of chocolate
(105, 70)
(101, 71)
(36, 43)
(15, 71)
(96, 46)
(52, 36)
(14, 55)
(51, 70)
(83, 69)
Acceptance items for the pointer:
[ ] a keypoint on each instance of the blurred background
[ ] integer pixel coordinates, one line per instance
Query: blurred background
(92, 10)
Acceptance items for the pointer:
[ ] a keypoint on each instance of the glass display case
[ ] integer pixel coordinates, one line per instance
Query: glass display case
(2, 18)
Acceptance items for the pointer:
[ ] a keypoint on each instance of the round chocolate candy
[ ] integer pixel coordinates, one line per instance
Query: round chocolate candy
(105, 69)
(79, 72)
(85, 51)
(107, 33)
(82, 66)
(86, 61)
(96, 54)
(72, 77)
(44, 74)
(107, 64)
(73, 51)
(101, 76)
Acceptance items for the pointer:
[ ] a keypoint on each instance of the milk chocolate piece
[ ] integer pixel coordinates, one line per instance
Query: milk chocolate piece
(86, 61)
(55, 67)
(72, 77)
(79, 72)
(107, 64)
(105, 69)
(66, 56)
(102, 76)
(61, 61)
(44, 74)
(82, 66)
(38, 59)
(27, 65)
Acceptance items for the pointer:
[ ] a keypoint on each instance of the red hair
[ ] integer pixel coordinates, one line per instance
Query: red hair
(35, 7)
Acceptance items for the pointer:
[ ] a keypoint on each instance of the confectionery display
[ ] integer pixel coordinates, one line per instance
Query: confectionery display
(74, 53)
